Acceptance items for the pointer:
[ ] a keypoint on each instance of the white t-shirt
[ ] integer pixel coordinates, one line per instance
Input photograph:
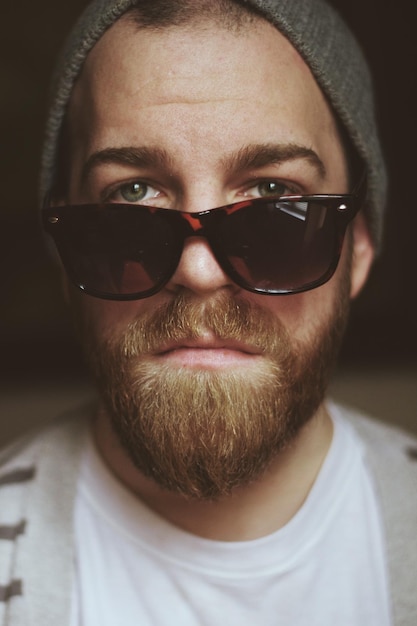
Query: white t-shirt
(326, 567)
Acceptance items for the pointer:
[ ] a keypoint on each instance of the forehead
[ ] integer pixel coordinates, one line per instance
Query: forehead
(199, 85)
(201, 58)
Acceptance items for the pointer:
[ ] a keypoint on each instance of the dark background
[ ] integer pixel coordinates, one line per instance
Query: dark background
(35, 336)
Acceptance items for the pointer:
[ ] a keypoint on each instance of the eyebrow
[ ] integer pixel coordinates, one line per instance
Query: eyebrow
(260, 155)
(135, 156)
(253, 156)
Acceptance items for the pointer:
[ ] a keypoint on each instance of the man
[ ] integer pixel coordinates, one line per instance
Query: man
(214, 186)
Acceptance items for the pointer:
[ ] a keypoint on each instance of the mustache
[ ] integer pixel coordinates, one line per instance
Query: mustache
(225, 318)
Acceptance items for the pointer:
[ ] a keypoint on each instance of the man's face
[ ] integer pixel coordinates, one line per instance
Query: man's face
(200, 106)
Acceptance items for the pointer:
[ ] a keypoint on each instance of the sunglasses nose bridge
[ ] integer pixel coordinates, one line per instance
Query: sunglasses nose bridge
(193, 223)
(201, 225)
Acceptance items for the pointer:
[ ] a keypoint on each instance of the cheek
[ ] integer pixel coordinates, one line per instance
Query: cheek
(289, 309)
(303, 314)
(300, 313)
(101, 319)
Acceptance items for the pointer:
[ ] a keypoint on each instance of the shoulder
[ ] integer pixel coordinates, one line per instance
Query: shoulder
(391, 456)
(55, 442)
(38, 485)
(381, 439)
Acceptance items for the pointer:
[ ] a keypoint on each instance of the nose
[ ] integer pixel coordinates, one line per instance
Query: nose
(198, 270)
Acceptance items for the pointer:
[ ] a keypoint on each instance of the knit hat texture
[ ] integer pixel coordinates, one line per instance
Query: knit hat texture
(313, 27)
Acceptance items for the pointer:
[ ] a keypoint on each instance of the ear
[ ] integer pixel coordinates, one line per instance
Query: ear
(363, 255)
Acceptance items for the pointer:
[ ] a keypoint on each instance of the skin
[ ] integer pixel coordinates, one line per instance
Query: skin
(203, 95)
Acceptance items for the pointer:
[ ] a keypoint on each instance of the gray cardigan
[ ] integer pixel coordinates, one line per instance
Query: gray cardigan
(38, 481)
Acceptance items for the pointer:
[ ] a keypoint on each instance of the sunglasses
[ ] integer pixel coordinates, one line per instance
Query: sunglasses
(272, 246)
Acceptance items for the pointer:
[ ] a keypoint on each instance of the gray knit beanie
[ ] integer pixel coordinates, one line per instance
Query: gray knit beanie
(313, 28)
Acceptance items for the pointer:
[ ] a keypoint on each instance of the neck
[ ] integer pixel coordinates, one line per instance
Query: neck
(250, 512)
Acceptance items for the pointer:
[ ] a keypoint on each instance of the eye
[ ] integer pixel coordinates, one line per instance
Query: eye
(268, 188)
(136, 191)
(271, 188)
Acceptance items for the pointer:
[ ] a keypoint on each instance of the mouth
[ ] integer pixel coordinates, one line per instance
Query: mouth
(208, 353)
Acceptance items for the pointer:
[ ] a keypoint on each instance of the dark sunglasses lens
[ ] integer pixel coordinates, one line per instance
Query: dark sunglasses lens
(280, 246)
(117, 251)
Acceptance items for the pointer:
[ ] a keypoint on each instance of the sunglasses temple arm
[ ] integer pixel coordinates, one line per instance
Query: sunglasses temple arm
(360, 190)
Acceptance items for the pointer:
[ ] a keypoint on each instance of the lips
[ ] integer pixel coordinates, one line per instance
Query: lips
(208, 353)
(209, 343)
